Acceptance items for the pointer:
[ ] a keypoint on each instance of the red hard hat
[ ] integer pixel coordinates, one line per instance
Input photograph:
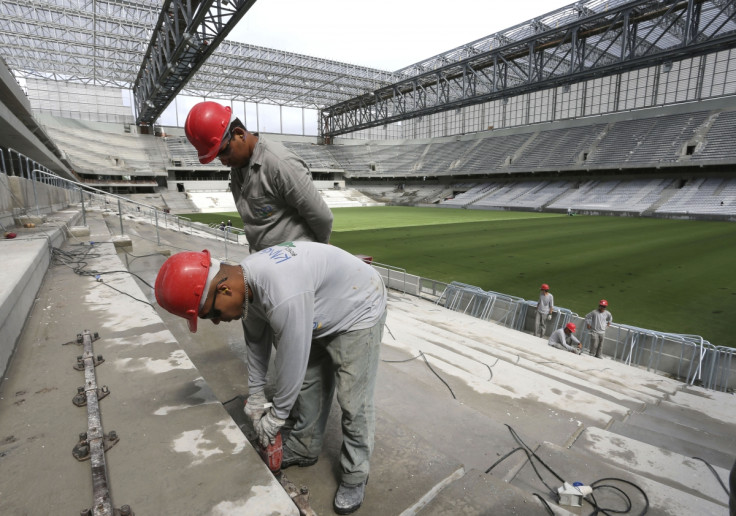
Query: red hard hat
(206, 125)
(180, 284)
(571, 326)
(603, 303)
(544, 287)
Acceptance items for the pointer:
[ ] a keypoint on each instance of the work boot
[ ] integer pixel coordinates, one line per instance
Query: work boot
(290, 458)
(349, 497)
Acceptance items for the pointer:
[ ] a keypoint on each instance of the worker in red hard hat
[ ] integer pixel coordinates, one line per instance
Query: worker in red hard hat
(564, 338)
(272, 187)
(545, 309)
(597, 322)
(327, 309)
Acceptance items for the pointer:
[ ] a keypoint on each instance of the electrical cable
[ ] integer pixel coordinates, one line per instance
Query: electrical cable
(715, 474)
(595, 485)
(421, 354)
(546, 505)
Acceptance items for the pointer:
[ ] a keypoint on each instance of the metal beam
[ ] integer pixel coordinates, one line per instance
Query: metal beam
(632, 35)
(186, 34)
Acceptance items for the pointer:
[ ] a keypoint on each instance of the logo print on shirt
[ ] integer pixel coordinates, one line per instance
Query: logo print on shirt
(279, 254)
(265, 211)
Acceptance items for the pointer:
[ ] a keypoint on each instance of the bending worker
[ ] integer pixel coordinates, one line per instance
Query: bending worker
(271, 186)
(327, 309)
(564, 338)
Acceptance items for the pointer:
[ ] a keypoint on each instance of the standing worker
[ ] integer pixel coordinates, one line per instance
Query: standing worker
(327, 309)
(565, 338)
(545, 309)
(597, 321)
(272, 187)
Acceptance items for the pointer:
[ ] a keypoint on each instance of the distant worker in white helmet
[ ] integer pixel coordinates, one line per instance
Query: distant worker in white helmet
(327, 309)
(564, 338)
(545, 309)
(272, 187)
(597, 322)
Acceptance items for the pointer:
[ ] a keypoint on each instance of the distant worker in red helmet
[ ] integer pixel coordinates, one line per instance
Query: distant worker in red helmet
(327, 309)
(597, 322)
(272, 187)
(564, 338)
(545, 309)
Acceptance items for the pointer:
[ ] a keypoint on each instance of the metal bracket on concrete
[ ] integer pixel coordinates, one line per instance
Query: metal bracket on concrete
(81, 451)
(124, 510)
(80, 399)
(79, 366)
(300, 496)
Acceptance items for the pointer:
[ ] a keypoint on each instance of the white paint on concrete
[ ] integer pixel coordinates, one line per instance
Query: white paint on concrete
(233, 434)
(260, 500)
(142, 339)
(195, 443)
(177, 359)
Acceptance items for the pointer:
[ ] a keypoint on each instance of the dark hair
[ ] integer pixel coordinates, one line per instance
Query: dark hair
(237, 124)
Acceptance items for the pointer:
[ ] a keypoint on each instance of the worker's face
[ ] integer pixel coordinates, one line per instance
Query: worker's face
(233, 151)
(221, 305)
(601, 308)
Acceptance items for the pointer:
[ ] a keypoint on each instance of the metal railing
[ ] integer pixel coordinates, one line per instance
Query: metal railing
(687, 357)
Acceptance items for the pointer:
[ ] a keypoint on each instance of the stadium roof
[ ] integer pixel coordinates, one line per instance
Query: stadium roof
(104, 42)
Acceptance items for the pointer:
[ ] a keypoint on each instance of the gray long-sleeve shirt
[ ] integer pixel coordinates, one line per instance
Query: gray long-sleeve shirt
(560, 339)
(599, 321)
(304, 291)
(277, 199)
(546, 303)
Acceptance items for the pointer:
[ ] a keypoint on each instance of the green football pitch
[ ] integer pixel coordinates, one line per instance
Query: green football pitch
(666, 275)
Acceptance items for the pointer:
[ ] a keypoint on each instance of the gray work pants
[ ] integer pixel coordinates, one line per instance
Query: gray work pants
(596, 344)
(347, 363)
(540, 324)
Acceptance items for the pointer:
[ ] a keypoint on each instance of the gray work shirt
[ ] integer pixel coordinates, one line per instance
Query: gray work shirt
(599, 321)
(304, 291)
(560, 338)
(277, 200)
(546, 303)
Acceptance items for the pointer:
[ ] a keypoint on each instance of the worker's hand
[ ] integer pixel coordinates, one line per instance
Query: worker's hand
(267, 427)
(549, 317)
(255, 406)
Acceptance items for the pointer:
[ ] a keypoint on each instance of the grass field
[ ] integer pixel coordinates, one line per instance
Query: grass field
(666, 275)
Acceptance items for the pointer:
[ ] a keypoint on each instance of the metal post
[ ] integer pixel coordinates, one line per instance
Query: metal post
(120, 214)
(158, 239)
(35, 196)
(84, 212)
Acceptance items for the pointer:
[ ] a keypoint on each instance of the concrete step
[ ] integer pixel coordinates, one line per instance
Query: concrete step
(677, 438)
(478, 494)
(699, 419)
(659, 464)
(455, 355)
(573, 465)
(513, 346)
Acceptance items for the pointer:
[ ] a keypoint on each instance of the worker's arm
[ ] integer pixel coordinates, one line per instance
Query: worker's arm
(258, 339)
(299, 191)
(291, 321)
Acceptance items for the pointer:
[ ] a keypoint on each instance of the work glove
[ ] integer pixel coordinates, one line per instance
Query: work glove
(549, 317)
(255, 406)
(267, 427)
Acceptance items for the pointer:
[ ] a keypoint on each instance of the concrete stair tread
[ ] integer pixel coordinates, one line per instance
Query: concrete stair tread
(505, 382)
(685, 440)
(659, 464)
(698, 419)
(478, 494)
(572, 465)
(516, 344)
